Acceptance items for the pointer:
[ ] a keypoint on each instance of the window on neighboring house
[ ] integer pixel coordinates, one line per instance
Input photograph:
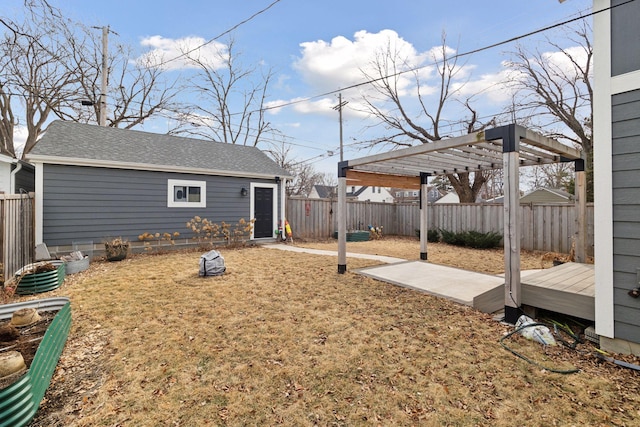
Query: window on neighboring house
(186, 194)
(379, 188)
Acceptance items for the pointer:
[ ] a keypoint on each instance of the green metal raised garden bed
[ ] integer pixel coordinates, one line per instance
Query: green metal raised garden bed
(36, 283)
(20, 400)
(354, 236)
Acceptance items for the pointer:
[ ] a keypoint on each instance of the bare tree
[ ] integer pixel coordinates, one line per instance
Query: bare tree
(556, 175)
(413, 118)
(305, 175)
(49, 64)
(556, 83)
(137, 88)
(36, 78)
(225, 110)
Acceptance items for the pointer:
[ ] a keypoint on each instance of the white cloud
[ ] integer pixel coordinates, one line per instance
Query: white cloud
(495, 88)
(20, 134)
(340, 63)
(561, 62)
(163, 51)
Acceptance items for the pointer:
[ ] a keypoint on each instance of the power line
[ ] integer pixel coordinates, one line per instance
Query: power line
(184, 54)
(438, 62)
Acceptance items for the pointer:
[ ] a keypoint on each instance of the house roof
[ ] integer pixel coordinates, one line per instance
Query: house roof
(546, 195)
(326, 191)
(89, 145)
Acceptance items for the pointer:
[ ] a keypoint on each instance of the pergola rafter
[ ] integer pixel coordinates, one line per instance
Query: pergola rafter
(506, 147)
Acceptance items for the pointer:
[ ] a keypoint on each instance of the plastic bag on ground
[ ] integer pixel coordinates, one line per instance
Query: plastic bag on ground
(212, 264)
(534, 331)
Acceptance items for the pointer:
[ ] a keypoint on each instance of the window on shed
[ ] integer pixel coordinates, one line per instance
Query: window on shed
(186, 194)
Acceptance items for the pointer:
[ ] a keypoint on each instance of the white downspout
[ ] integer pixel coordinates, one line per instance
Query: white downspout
(12, 178)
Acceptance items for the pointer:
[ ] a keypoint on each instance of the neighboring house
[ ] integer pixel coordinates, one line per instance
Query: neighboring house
(22, 178)
(616, 108)
(540, 196)
(94, 183)
(413, 196)
(16, 176)
(323, 192)
(547, 195)
(449, 198)
(369, 194)
(361, 194)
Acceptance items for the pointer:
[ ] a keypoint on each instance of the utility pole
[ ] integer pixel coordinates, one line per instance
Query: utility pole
(339, 108)
(105, 71)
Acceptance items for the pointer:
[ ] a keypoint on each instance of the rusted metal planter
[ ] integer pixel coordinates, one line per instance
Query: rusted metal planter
(19, 401)
(36, 283)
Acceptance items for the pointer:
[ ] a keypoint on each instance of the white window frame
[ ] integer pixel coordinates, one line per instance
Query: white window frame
(172, 183)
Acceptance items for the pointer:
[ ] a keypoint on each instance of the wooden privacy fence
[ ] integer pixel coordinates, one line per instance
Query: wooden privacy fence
(17, 224)
(547, 228)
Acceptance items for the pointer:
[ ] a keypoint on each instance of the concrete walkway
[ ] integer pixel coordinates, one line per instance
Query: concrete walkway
(381, 258)
(483, 292)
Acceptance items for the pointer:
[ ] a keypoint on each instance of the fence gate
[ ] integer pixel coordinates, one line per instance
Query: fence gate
(17, 232)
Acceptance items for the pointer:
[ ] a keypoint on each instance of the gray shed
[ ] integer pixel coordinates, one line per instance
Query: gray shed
(94, 183)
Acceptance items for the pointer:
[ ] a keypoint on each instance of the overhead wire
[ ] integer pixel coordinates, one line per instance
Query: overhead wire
(438, 62)
(184, 54)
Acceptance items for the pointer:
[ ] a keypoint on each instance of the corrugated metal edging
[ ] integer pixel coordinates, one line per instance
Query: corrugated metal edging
(46, 358)
(16, 403)
(43, 304)
(20, 401)
(37, 283)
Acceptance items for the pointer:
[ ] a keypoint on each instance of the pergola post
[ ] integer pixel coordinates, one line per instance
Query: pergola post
(581, 210)
(342, 216)
(511, 135)
(424, 214)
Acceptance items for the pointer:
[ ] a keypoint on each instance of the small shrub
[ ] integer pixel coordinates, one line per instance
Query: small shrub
(147, 237)
(207, 232)
(433, 236)
(472, 239)
(479, 240)
(452, 238)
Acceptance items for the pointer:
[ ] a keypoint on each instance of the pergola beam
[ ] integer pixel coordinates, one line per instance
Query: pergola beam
(382, 180)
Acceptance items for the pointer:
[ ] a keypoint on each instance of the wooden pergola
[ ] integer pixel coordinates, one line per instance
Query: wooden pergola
(506, 147)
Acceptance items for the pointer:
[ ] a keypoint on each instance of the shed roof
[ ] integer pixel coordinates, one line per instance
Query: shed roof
(89, 145)
(468, 153)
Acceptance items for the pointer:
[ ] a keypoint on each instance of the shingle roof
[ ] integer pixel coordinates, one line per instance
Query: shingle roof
(69, 141)
(326, 191)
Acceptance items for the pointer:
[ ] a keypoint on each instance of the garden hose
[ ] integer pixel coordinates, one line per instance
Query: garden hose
(523, 357)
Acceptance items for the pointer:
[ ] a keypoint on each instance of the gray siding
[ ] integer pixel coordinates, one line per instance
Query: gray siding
(93, 204)
(625, 37)
(25, 180)
(626, 212)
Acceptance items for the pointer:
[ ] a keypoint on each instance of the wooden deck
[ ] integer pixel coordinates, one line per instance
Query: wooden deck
(568, 289)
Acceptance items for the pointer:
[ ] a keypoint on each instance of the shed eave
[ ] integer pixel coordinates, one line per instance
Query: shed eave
(71, 161)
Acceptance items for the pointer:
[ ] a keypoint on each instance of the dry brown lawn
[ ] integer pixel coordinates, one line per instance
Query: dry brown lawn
(282, 339)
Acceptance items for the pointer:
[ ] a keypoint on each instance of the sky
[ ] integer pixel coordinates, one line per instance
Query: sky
(317, 47)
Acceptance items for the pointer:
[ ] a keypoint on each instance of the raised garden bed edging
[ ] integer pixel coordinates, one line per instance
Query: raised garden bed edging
(76, 266)
(36, 283)
(354, 236)
(20, 401)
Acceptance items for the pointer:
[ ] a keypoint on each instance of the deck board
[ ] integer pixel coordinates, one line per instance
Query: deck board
(568, 288)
